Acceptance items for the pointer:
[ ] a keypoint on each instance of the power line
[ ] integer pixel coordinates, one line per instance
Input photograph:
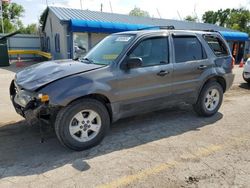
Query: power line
(110, 6)
(179, 15)
(81, 3)
(158, 13)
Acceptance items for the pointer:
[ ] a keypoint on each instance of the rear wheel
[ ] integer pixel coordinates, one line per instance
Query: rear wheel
(82, 124)
(210, 99)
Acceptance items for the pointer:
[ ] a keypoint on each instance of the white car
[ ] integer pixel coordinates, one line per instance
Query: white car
(246, 71)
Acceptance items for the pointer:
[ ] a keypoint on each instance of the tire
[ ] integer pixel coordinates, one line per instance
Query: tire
(69, 120)
(200, 107)
(246, 79)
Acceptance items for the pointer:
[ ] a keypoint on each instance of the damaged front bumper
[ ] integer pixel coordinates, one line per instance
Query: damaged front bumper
(35, 109)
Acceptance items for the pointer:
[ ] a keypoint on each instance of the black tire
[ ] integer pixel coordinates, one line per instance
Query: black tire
(65, 116)
(200, 107)
(246, 79)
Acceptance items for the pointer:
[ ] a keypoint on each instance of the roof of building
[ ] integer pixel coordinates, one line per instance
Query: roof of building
(95, 21)
(67, 14)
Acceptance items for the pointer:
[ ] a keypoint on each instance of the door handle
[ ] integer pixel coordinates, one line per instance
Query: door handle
(163, 73)
(202, 67)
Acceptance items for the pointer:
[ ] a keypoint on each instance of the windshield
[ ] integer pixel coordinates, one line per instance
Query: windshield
(107, 51)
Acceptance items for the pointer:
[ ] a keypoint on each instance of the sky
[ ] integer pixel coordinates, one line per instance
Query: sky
(174, 9)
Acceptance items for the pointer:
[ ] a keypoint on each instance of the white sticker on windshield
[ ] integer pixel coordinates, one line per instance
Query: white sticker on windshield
(123, 39)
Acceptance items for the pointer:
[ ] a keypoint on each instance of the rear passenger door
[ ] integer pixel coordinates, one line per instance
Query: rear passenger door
(190, 61)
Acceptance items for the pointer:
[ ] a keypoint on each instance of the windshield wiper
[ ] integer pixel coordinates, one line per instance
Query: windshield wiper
(87, 59)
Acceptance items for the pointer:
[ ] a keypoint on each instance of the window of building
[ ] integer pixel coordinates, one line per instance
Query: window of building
(217, 45)
(80, 44)
(96, 38)
(152, 51)
(57, 43)
(188, 48)
(48, 44)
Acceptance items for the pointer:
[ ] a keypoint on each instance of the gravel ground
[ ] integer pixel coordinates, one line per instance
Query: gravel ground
(169, 148)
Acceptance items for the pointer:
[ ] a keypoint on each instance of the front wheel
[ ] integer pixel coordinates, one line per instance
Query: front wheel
(82, 124)
(246, 79)
(210, 99)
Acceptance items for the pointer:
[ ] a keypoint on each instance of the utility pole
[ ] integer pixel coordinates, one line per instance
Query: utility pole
(81, 3)
(158, 13)
(1, 15)
(179, 15)
(110, 6)
(101, 7)
(196, 12)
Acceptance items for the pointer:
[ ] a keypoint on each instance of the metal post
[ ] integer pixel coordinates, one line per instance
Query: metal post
(2, 26)
(110, 6)
(1, 15)
(81, 3)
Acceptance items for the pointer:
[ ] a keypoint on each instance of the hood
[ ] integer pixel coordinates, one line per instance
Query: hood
(41, 74)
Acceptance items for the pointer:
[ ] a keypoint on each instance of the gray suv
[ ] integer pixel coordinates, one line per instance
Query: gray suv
(124, 75)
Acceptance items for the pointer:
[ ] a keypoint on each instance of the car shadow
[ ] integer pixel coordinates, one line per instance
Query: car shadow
(245, 85)
(22, 154)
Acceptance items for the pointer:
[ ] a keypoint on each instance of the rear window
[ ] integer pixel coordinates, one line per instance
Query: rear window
(217, 45)
(188, 48)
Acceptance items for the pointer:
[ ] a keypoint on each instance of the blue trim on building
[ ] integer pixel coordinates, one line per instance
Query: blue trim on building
(111, 27)
(240, 36)
(102, 27)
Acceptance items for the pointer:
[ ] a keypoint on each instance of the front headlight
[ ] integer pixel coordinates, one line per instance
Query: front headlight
(23, 98)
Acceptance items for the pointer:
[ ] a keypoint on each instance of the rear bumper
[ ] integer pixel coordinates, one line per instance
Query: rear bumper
(229, 77)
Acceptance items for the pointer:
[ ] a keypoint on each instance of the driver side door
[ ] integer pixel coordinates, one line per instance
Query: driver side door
(147, 87)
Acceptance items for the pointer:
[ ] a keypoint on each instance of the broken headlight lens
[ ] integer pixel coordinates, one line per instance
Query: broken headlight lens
(23, 98)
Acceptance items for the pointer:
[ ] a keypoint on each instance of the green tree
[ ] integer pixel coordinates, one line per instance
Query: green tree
(11, 17)
(30, 29)
(237, 19)
(12, 13)
(138, 12)
(222, 16)
(210, 17)
(191, 18)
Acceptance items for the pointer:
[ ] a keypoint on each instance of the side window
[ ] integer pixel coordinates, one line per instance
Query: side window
(188, 48)
(217, 45)
(153, 51)
(57, 43)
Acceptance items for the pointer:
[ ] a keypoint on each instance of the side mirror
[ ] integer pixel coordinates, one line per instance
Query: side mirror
(134, 62)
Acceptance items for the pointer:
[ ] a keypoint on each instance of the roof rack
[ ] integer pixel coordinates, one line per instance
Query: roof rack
(208, 30)
(171, 27)
(168, 27)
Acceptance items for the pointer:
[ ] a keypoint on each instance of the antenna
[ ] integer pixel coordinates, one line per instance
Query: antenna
(179, 15)
(195, 12)
(158, 13)
(81, 3)
(110, 6)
